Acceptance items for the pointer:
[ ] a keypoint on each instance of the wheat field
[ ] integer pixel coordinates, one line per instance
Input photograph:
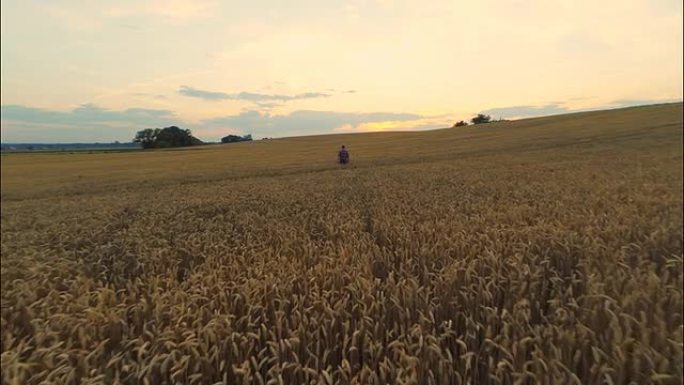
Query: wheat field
(538, 251)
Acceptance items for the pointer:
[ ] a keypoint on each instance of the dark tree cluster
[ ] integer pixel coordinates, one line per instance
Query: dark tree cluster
(236, 138)
(166, 137)
(481, 118)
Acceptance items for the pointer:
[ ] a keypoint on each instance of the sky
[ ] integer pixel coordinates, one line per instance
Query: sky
(98, 71)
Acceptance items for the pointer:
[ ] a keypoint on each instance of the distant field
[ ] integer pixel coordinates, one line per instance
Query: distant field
(6, 148)
(544, 250)
(33, 175)
(68, 152)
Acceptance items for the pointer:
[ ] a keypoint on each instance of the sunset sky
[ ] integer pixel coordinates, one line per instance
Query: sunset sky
(86, 71)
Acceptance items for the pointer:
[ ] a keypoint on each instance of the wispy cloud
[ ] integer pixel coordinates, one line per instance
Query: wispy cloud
(341, 91)
(153, 96)
(247, 96)
(202, 94)
(268, 105)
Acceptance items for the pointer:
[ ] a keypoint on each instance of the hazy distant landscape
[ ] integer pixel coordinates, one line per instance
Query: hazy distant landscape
(6, 147)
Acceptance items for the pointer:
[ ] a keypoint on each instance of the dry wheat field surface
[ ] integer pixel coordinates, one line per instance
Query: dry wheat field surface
(538, 251)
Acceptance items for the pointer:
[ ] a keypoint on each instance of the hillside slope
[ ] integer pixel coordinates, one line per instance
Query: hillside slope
(32, 175)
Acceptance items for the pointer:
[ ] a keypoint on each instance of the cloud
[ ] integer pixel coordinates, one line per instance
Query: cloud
(247, 96)
(86, 122)
(202, 94)
(23, 132)
(302, 122)
(341, 91)
(254, 97)
(268, 105)
(153, 96)
(94, 123)
(84, 114)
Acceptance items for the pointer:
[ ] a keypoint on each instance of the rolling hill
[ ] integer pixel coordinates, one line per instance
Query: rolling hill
(628, 129)
(544, 251)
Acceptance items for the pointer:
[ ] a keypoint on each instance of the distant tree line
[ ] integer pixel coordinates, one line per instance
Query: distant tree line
(236, 138)
(67, 146)
(166, 137)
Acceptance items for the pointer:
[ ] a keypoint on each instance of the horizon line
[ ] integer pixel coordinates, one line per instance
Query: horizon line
(588, 110)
